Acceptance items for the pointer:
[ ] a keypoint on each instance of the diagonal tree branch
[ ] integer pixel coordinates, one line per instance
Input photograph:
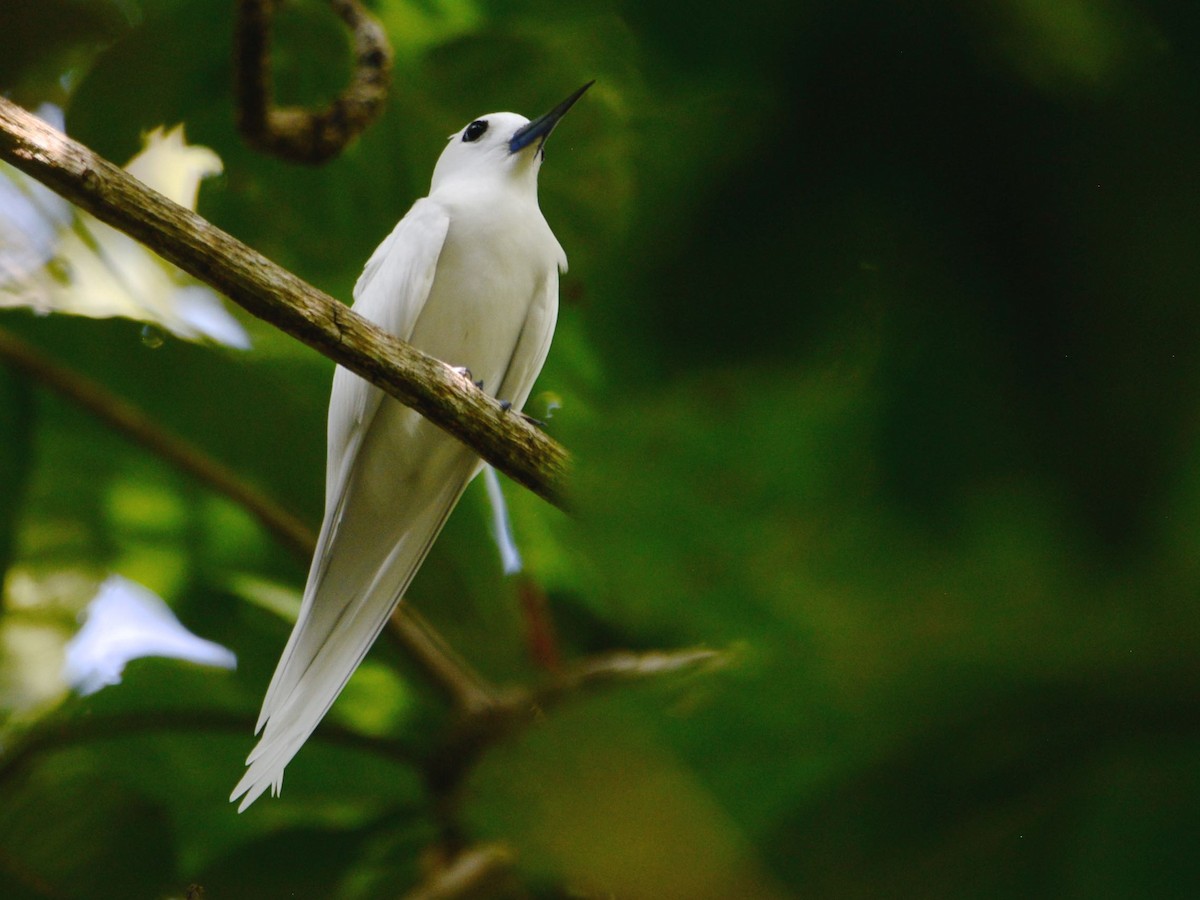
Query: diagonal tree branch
(130, 421)
(431, 387)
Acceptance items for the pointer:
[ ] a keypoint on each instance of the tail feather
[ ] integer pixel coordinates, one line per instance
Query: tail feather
(332, 637)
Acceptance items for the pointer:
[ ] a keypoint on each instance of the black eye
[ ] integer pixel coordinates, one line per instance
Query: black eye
(475, 130)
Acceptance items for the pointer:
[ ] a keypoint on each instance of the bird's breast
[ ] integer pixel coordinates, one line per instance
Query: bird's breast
(490, 274)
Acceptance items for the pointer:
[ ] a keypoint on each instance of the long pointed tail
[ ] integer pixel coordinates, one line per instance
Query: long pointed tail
(334, 633)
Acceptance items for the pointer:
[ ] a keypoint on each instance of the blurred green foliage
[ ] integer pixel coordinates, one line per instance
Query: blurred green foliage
(877, 359)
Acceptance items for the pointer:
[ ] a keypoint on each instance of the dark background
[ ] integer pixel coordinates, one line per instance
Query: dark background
(877, 359)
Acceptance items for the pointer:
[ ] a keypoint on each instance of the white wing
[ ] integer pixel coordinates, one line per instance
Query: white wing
(391, 292)
(350, 593)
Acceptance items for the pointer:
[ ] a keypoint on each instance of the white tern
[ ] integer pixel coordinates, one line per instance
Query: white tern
(470, 276)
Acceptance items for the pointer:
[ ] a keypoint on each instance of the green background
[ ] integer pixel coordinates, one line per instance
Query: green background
(877, 360)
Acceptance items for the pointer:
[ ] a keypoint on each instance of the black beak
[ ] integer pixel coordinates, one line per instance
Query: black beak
(543, 125)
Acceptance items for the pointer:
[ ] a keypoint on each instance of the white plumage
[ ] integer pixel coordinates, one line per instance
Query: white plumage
(470, 276)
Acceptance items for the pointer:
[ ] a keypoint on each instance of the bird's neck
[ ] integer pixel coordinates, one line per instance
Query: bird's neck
(499, 199)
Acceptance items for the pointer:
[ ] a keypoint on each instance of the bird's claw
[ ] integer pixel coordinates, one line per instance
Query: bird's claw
(506, 406)
(464, 372)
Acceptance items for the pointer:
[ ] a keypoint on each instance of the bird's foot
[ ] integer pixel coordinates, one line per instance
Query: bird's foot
(506, 406)
(464, 372)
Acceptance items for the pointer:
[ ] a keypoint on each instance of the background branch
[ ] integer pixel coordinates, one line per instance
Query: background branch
(417, 639)
(480, 871)
(508, 442)
(125, 418)
(294, 133)
(447, 769)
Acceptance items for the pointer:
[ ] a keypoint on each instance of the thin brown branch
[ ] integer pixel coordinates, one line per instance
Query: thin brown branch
(477, 872)
(541, 640)
(446, 670)
(615, 668)
(423, 646)
(275, 295)
(519, 707)
(126, 419)
(294, 133)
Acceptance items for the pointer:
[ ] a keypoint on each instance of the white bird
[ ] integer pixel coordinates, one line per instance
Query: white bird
(470, 276)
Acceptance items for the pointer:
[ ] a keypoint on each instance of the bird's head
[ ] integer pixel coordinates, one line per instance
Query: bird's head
(500, 145)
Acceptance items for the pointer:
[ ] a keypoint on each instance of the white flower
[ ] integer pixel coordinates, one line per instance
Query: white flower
(54, 258)
(127, 621)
